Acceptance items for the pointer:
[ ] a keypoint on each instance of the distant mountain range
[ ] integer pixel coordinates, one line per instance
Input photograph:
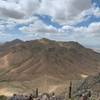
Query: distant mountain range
(45, 64)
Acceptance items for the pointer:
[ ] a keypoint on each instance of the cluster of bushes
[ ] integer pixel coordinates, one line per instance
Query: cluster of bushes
(2, 97)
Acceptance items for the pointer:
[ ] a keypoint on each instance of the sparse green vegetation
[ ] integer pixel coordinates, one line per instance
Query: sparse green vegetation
(2, 97)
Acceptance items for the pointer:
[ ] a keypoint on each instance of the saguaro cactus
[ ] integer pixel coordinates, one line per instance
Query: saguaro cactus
(37, 92)
(70, 90)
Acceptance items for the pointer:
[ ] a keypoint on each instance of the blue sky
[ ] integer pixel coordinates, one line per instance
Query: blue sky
(63, 20)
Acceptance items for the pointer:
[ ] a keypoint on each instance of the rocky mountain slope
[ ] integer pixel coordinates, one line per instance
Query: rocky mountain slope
(45, 63)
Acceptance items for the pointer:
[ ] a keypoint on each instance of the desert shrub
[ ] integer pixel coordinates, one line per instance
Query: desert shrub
(2, 97)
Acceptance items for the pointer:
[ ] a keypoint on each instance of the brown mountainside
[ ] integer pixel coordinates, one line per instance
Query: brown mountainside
(46, 62)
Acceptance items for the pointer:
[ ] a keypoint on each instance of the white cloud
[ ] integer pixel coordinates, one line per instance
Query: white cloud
(5, 23)
(18, 9)
(64, 11)
(61, 11)
(38, 27)
(25, 21)
(10, 9)
(93, 30)
(96, 11)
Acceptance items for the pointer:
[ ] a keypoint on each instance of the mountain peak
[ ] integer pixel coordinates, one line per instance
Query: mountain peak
(17, 41)
(44, 40)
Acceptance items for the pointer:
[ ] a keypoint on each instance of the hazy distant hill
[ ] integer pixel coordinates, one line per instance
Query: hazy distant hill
(45, 63)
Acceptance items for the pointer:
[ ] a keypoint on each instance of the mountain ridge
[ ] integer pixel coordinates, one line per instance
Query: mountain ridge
(43, 59)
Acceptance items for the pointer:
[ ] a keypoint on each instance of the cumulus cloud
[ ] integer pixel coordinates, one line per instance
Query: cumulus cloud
(38, 27)
(10, 9)
(96, 11)
(11, 13)
(93, 30)
(25, 21)
(61, 11)
(18, 8)
(64, 11)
